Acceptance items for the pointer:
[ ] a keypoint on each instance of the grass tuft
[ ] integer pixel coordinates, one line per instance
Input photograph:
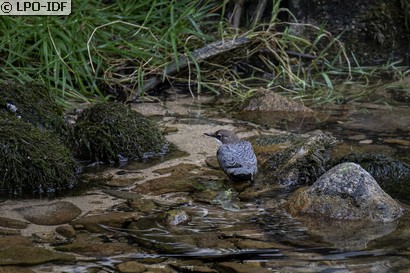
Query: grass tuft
(121, 49)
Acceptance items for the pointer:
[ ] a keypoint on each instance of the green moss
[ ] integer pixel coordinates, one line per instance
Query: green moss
(107, 131)
(277, 139)
(301, 163)
(32, 162)
(32, 103)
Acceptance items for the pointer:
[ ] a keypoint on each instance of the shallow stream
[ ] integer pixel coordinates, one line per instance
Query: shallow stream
(228, 234)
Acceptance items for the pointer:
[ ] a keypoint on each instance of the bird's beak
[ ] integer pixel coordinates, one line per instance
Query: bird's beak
(209, 134)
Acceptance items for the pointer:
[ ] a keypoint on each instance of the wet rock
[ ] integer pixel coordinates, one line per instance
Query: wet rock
(301, 163)
(85, 244)
(366, 141)
(4, 231)
(358, 137)
(212, 162)
(95, 223)
(50, 214)
(12, 223)
(268, 100)
(232, 267)
(15, 241)
(159, 270)
(169, 130)
(123, 181)
(44, 237)
(346, 192)
(173, 183)
(275, 111)
(182, 178)
(123, 194)
(15, 269)
(27, 255)
(142, 205)
(392, 175)
(96, 269)
(192, 266)
(398, 141)
(178, 170)
(214, 241)
(66, 231)
(130, 267)
(175, 217)
(215, 192)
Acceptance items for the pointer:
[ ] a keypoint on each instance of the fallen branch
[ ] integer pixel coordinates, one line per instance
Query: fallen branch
(198, 55)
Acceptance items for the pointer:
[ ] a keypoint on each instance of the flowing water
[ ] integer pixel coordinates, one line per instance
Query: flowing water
(266, 237)
(260, 233)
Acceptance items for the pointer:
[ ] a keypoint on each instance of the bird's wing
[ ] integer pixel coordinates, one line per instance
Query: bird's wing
(228, 157)
(248, 154)
(236, 155)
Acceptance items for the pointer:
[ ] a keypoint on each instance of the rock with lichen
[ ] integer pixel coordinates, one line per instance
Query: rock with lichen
(112, 132)
(345, 192)
(392, 175)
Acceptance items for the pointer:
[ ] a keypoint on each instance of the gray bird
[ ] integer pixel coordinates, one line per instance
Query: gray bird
(235, 156)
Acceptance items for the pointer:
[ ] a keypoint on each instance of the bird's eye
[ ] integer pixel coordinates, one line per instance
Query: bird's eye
(218, 136)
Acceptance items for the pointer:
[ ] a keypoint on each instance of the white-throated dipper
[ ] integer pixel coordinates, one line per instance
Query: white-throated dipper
(235, 156)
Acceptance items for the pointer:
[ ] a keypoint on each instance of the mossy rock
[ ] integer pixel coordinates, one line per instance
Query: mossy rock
(111, 131)
(32, 162)
(392, 175)
(32, 103)
(303, 162)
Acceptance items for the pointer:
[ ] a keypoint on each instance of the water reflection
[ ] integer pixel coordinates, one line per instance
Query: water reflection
(269, 237)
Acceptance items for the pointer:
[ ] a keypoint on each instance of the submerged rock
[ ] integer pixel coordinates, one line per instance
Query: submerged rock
(112, 132)
(346, 192)
(50, 214)
(347, 235)
(28, 255)
(130, 267)
(301, 163)
(96, 247)
(99, 223)
(236, 267)
(175, 217)
(392, 175)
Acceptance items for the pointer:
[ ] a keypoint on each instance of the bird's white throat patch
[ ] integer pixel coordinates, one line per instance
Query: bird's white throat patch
(218, 141)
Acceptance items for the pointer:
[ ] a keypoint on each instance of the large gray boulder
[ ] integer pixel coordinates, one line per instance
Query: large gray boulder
(345, 192)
